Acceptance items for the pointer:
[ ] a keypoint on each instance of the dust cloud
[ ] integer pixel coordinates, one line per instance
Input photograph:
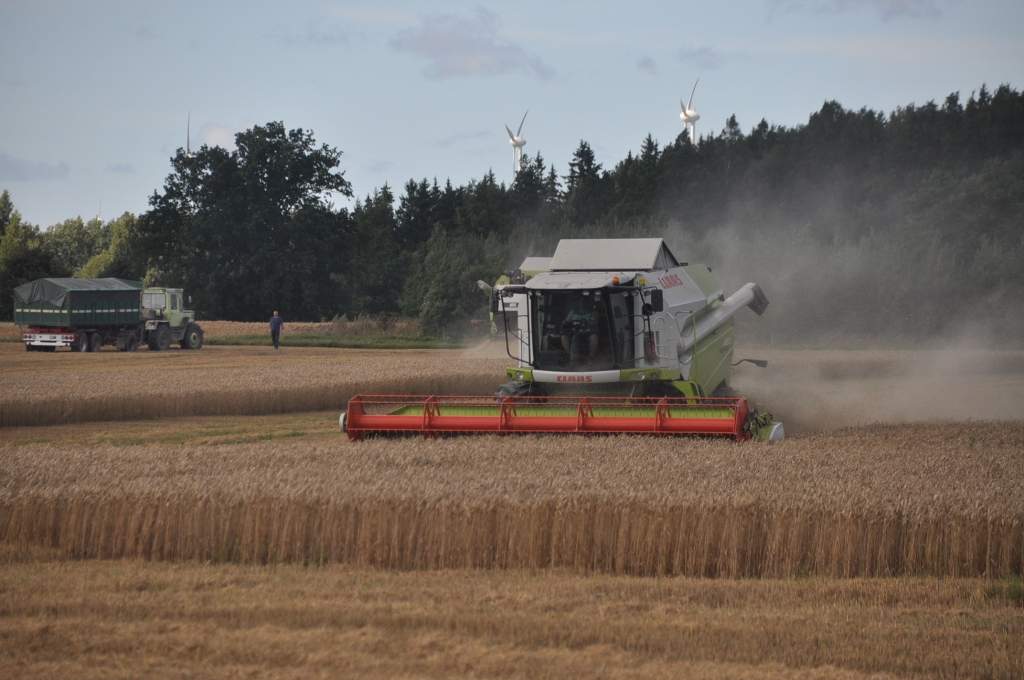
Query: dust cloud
(820, 390)
(866, 331)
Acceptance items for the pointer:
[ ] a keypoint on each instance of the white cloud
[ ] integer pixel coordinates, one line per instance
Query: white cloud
(458, 46)
(217, 135)
(647, 65)
(379, 166)
(325, 35)
(462, 137)
(22, 170)
(885, 9)
(701, 57)
(371, 15)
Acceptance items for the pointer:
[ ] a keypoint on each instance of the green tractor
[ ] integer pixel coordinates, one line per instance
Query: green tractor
(167, 320)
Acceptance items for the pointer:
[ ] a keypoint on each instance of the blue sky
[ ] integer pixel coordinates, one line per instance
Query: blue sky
(94, 95)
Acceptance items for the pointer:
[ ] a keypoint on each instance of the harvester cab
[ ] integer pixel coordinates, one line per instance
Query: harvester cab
(616, 336)
(504, 307)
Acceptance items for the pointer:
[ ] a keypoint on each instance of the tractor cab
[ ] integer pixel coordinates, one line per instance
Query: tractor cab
(166, 304)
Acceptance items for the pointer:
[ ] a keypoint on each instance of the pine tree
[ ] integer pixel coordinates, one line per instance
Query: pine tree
(6, 210)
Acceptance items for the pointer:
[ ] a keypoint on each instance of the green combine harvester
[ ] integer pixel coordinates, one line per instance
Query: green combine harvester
(617, 336)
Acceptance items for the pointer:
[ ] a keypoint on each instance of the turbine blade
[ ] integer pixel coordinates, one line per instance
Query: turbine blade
(510, 135)
(682, 106)
(691, 93)
(521, 123)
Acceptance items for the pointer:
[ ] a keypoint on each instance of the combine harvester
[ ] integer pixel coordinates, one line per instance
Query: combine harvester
(617, 337)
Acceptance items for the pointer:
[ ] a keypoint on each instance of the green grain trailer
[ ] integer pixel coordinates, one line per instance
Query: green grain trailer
(85, 314)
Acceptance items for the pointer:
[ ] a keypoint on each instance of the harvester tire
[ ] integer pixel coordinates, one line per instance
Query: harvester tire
(193, 337)
(725, 390)
(516, 388)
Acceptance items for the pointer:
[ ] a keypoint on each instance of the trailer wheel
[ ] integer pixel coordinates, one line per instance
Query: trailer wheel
(132, 343)
(193, 337)
(81, 343)
(95, 342)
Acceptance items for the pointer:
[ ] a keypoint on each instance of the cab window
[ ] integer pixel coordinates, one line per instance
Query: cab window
(175, 301)
(153, 300)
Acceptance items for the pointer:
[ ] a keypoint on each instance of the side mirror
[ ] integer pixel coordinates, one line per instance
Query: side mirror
(657, 300)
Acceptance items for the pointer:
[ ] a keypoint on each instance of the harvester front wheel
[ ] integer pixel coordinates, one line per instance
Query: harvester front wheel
(517, 388)
(725, 390)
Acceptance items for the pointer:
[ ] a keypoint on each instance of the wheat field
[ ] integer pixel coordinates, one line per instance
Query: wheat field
(184, 513)
(811, 390)
(63, 387)
(882, 501)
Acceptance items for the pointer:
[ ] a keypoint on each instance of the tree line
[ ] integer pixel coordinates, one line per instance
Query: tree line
(859, 221)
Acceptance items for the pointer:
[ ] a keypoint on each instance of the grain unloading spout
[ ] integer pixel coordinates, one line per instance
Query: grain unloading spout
(749, 295)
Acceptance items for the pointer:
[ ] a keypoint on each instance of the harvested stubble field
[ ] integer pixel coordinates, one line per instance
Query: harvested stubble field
(126, 619)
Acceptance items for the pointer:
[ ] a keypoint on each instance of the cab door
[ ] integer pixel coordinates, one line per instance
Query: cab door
(174, 315)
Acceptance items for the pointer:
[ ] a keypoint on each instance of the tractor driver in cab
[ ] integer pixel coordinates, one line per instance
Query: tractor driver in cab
(583, 328)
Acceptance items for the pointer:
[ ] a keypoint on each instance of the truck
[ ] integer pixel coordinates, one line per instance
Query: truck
(86, 314)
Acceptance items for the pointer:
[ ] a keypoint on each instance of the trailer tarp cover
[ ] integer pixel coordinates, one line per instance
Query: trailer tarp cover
(53, 291)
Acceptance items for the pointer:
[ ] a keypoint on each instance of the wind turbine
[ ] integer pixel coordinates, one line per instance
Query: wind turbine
(518, 142)
(689, 115)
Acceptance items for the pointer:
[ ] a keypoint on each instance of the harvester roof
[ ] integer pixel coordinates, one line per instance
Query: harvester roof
(577, 280)
(535, 265)
(612, 254)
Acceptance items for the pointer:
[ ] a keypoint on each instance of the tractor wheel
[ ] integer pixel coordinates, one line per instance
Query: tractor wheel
(163, 338)
(95, 342)
(81, 343)
(193, 337)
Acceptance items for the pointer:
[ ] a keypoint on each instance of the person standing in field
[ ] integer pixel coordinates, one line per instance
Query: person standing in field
(276, 324)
